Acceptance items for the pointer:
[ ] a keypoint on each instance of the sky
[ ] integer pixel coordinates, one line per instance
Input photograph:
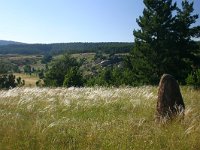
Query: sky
(62, 21)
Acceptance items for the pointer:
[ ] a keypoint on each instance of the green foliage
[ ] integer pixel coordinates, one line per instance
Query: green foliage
(73, 78)
(112, 76)
(142, 68)
(9, 81)
(193, 79)
(20, 82)
(103, 78)
(27, 69)
(187, 49)
(41, 74)
(6, 66)
(163, 44)
(46, 59)
(99, 55)
(59, 48)
(59, 71)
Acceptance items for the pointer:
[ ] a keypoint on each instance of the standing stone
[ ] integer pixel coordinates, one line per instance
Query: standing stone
(170, 102)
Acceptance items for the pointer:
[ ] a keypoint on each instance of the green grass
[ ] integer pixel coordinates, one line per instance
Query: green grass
(94, 118)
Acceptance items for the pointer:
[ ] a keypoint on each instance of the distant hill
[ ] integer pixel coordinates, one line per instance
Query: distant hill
(4, 42)
(58, 48)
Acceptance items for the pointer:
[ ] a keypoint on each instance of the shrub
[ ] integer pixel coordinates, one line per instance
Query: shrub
(58, 69)
(193, 79)
(9, 81)
(73, 78)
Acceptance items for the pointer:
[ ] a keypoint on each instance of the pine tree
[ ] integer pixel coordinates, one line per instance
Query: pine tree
(157, 48)
(185, 46)
(152, 41)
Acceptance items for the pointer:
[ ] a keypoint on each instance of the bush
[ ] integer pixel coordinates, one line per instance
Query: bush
(8, 81)
(193, 79)
(61, 71)
(39, 83)
(73, 78)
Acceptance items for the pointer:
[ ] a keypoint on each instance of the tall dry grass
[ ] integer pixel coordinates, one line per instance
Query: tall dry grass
(94, 118)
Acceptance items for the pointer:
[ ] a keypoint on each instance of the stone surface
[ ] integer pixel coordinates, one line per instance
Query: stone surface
(170, 102)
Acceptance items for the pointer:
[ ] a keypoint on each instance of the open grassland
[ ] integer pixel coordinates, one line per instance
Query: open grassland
(30, 80)
(94, 118)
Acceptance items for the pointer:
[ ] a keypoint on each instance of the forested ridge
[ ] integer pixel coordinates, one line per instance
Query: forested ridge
(58, 48)
(5, 42)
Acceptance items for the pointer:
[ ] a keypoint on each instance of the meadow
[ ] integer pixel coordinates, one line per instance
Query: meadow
(30, 80)
(94, 118)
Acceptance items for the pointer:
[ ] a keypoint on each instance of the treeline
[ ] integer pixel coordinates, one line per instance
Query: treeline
(66, 71)
(59, 48)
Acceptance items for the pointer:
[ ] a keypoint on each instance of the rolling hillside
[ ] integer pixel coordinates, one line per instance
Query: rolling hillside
(4, 42)
(58, 48)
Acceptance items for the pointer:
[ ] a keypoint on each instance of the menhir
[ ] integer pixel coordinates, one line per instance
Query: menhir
(170, 102)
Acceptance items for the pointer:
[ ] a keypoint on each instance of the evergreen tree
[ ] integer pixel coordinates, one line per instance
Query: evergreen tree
(157, 46)
(186, 48)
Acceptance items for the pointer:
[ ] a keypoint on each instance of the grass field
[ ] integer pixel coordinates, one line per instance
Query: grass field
(30, 80)
(94, 118)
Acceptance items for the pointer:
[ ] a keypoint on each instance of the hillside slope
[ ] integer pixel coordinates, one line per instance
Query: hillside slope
(4, 42)
(58, 48)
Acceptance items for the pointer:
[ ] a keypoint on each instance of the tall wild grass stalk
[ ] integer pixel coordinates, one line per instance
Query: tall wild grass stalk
(94, 118)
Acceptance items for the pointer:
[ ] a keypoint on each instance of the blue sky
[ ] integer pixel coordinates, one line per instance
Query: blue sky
(55, 21)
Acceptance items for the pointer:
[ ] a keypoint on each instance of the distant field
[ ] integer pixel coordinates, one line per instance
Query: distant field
(22, 60)
(94, 118)
(30, 80)
(88, 56)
